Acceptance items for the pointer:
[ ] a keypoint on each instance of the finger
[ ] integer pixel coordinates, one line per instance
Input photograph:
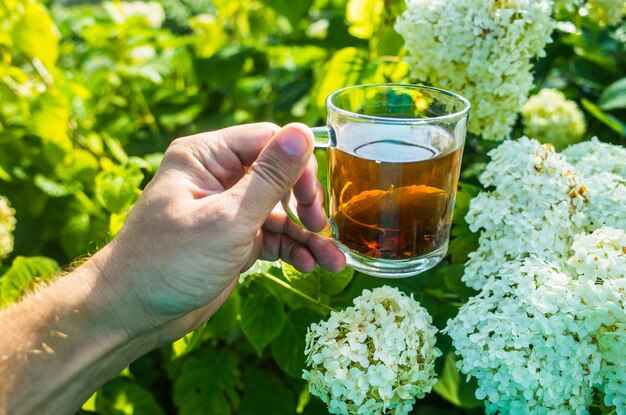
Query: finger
(313, 215)
(279, 222)
(326, 253)
(215, 160)
(322, 248)
(248, 141)
(310, 200)
(281, 246)
(273, 174)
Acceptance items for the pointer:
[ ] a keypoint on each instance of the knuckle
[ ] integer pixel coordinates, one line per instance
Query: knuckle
(274, 174)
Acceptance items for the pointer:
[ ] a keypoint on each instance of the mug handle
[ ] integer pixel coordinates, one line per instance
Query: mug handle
(324, 137)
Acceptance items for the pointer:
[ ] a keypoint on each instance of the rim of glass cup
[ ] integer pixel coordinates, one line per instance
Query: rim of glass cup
(454, 116)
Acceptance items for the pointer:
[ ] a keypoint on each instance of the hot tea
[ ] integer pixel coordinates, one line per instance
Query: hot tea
(392, 189)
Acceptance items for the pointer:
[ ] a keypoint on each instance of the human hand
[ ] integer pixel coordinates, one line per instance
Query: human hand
(211, 210)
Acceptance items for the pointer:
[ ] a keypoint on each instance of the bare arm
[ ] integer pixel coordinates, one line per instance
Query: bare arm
(208, 214)
(62, 343)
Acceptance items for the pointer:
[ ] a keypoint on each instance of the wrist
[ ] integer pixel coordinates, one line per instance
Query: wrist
(115, 298)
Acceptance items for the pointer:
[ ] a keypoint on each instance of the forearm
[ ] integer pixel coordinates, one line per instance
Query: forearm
(59, 344)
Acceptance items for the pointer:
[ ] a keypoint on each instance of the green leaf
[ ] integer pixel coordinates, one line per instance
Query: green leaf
(288, 347)
(74, 236)
(463, 240)
(51, 187)
(319, 281)
(451, 275)
(115, 147)
(224, 68)
(35, 34)
(117, 189)
(24, 273)
(123, 397)
(208, 384)
(292, 10)
(266, 391)
(50, 121)
(262, 318)
(452, 386)
(364, 17)
(607, 119)
(344, 69)
(614, 96)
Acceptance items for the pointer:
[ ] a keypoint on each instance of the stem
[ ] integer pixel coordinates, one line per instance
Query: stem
(295, 291)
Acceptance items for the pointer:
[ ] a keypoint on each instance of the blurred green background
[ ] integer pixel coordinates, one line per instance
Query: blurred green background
(92, 93)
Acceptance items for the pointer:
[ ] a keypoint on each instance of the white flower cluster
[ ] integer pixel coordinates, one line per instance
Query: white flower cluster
(375, 357)
(535, 208)
(480, 49)
(551, 118)
(7, 226)
(594, 157)
(548, 326)
(604, 167)
(605, 12)
(520, 341)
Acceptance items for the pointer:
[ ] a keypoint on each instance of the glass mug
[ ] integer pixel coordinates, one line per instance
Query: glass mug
(394, 156)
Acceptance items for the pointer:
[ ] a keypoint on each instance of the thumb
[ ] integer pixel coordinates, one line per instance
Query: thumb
(275, 171)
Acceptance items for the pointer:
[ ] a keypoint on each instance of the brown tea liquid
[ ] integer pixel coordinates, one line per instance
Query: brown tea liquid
(392, 197)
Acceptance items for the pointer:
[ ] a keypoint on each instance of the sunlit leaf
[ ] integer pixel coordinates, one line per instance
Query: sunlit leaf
(35, 34)
(364, 17)
(123, 397)
(23, 274)
(344, 69)
(292, 10)
(319, 281)
(607, 119)
(116, 190)
(614, 96)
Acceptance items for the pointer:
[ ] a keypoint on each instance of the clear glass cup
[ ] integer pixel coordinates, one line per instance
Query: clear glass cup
(394, 156)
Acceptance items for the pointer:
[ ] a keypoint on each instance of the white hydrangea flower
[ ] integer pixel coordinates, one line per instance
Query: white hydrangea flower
(7, 226)
(552, 118)
(548, 326)
(480, 49)
(605, 12)
(151, 11)
(593, 157)
(535, 208)
(603, 291)
(375, 357)
(518, 337)
(606, 193)
(600, 255)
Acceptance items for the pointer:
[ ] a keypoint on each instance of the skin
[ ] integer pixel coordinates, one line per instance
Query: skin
(208, 214)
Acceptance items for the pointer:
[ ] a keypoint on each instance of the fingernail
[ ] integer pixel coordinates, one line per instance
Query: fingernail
(293, 143)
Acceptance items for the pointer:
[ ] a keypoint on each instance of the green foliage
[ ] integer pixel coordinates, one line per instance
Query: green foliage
(23, 274)
(262, 318)
(319, 281)
(122, 397)
(453, 387)
(266, 392)
(89, 101)
(288, 346)
(208, 382)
